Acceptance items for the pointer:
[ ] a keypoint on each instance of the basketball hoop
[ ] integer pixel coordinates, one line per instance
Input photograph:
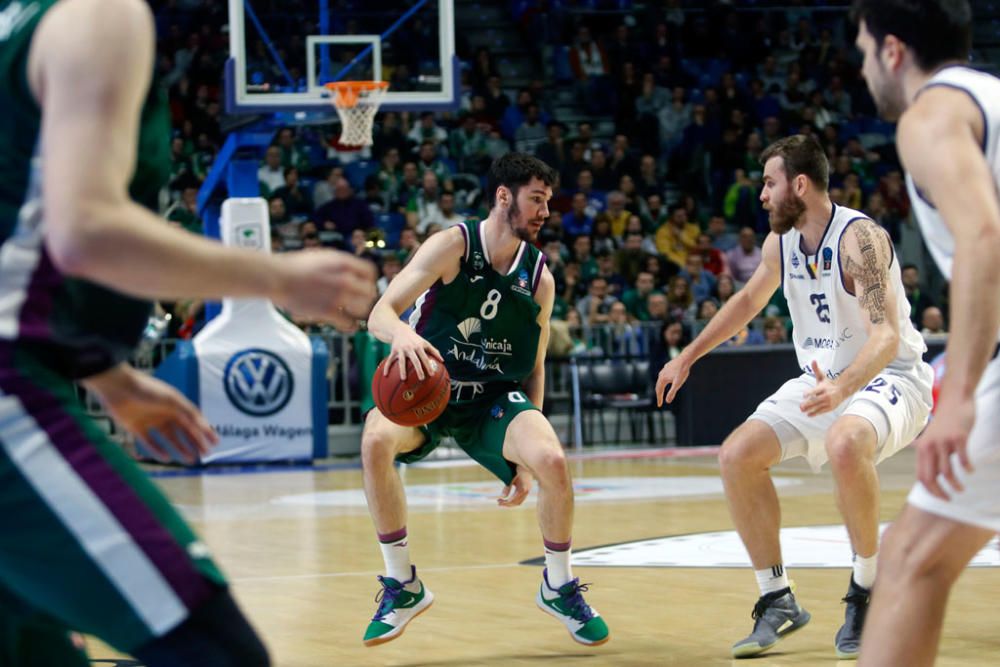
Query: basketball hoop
(357, 102)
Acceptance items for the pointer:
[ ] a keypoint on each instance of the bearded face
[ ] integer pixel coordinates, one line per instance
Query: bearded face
(785, 214)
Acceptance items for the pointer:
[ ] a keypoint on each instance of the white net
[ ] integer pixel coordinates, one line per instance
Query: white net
(357, 103)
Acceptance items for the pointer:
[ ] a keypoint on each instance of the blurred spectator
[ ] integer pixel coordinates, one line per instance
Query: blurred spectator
(423, 209)
(468, 145)
(344, 213)
(740, 203)
(362, 247)
(596, 199)
(185, 211)
(677, 236)
(446, 216)
(373, 195)
(658, 307)
(933, 322)
(277, 213)
(679, 299)
(408, 244)
(626, 340)
(390, 268)
(712, 258)
(894, 193)
(515, 114)
(601, 237)
(390, 176)
(745, 258)
(674, 338)
(496, 101)
(552, 151)
(577, 222)
(271, 174)
(428, 160)
(582, 255)
(630, 259)
(595, 307)
(617, 215)
(590, 69)
(428, 130)
(648, 182)
(389, 134)
(180, 163)
(635, 297)
(323, 190)
(296, 202)
(606, 269)
(701, 282)
(409, 186)
(707, 309)
(918, 298)
(292, 153)
(531, 132)
(725, 288)
(722, 239)
(774, 331)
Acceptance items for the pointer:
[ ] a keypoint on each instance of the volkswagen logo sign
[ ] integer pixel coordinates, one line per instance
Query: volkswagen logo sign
(258, 382)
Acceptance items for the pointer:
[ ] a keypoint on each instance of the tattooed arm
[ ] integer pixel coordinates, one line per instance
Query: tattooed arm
(865, 256)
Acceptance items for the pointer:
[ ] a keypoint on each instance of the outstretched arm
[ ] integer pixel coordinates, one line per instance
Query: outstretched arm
(735, 315)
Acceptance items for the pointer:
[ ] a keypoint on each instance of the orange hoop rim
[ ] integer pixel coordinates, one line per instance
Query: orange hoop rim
(347, 93)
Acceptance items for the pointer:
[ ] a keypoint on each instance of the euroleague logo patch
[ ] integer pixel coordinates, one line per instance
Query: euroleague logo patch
(257, 382)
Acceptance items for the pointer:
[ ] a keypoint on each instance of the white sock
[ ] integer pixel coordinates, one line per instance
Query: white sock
(396, 555)
(557, 564)
(771, 579)
(864, 570)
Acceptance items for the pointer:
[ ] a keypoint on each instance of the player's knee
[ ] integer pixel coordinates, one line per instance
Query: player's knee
(377, 448)
(848, 451)
(908, 557)
(550, 466)
(738, 454)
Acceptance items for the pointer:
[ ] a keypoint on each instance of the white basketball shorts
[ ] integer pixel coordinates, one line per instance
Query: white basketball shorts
(979, 503)
(896, 403)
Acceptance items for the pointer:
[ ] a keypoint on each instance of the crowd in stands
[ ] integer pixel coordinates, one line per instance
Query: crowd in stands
(655, 217)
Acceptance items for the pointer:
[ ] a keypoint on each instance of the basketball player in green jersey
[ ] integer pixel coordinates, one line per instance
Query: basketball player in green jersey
(87, 543)
(483, 298)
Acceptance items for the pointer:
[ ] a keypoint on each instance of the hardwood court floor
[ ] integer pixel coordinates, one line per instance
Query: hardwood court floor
(305, 572)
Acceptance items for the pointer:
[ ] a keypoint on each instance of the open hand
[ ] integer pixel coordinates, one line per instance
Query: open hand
(824, 397)
(674, 373)
(147, 408)
(944, 438)
(515, 493)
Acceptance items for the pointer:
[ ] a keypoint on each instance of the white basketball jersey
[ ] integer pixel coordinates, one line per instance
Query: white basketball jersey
(984, 89)
(828, 323)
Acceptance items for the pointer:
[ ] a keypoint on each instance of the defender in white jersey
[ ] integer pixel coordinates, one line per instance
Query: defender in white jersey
(864, 392)
(949, 126)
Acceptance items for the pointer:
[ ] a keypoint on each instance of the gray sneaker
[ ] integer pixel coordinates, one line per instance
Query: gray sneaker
(776, 615)
(848, 639)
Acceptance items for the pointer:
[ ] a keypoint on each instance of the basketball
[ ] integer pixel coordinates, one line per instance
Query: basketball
(411, 402)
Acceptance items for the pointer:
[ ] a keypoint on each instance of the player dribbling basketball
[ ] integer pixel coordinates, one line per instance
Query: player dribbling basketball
(483, 298)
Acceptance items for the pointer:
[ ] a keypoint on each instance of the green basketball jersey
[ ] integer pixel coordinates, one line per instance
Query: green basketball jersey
(80, 327)
(483, 323)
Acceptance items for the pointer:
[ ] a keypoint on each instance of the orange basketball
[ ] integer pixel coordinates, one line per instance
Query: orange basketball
(411, 402)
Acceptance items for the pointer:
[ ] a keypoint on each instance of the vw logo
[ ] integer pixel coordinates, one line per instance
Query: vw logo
(258, 382)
